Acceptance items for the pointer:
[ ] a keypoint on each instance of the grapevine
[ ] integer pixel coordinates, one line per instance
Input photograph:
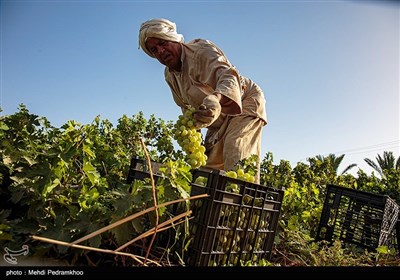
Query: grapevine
(189, 139)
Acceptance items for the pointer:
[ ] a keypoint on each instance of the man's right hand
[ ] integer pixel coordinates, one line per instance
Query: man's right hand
(208, 111)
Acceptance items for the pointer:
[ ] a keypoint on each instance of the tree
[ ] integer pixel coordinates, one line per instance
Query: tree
(334, 162)
(384, 163)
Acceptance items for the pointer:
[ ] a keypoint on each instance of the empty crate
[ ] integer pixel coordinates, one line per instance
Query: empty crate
(365, 219)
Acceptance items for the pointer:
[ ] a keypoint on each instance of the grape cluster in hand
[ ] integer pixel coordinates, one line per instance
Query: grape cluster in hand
(189, 139)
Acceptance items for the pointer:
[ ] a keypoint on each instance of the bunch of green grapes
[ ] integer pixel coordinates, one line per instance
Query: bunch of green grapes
(240, 174)
(189, 139)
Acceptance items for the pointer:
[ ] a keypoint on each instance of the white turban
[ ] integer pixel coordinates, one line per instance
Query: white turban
(158, 28)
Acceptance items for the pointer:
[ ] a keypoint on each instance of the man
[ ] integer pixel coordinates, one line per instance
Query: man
(230, 106)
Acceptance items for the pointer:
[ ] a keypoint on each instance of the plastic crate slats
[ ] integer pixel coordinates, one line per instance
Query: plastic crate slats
(365, 219)
(390, 219)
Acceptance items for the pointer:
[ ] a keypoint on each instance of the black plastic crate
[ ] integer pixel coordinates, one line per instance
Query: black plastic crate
(227, 228)
(357, 217)
(231, 228)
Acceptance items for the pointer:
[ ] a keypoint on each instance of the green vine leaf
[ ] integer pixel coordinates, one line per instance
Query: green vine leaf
(49, 187)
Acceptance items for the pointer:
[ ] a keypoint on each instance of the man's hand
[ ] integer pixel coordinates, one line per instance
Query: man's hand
(208, 111)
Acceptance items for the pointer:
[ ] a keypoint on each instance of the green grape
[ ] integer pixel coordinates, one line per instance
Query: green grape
(193, 162)
(240, 172)
(202, 181)
(231, 174)
(190, 123)
(232, 188)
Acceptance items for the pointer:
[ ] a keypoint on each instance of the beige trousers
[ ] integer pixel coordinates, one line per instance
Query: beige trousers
(239, 138)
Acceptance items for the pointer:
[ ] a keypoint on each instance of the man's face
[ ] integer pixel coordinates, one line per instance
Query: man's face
(166, 52)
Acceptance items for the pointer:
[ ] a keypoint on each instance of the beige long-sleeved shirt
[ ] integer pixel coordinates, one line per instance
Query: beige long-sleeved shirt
(206, 70)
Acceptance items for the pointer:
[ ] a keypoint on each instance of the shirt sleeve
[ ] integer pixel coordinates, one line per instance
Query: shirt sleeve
(213, 69)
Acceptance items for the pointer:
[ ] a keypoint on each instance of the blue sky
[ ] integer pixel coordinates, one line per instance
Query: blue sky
(329, 69)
